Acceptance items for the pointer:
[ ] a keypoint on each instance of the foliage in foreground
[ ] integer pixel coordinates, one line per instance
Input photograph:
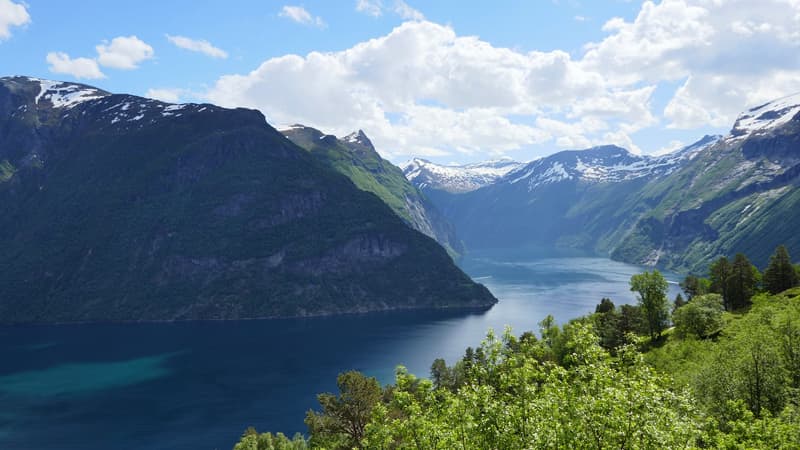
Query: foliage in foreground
(746, 380)
(717, 380)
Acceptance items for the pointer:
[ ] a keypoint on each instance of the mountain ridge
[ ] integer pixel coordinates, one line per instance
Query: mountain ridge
(718, 196)
(121, 208)
(356, 157)
(456, 178)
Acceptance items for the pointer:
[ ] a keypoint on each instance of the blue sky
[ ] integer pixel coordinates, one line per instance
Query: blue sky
(451, 81)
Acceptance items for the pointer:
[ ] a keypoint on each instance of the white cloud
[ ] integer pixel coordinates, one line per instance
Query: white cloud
(729, 54)
(169, 95)
(372, 8)
(302, 16)
(405, 11)
(424, 88)
(376, 8)
(12, 15)
(60, 62)
(123, 52)
(198, 45)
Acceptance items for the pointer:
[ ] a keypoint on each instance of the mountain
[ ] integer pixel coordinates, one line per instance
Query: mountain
(739, 195)
(719, 196)
(571, 201)
(355, 157)
(120, 208)
(456, 179)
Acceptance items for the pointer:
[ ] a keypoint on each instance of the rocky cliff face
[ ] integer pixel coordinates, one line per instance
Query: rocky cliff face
(120, 208)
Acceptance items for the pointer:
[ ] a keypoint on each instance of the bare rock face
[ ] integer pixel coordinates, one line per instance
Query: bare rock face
(120, 208)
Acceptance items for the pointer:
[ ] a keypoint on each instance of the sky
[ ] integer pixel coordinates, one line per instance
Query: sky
(450, 81)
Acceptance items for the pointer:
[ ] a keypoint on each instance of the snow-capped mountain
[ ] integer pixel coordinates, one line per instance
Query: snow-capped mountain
(718, 196)
(66, 104)
(603, 164)
(457, 178)
(65, 95)
(765, 118)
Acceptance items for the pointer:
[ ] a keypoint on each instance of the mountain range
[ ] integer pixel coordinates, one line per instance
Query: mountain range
(457, 179)
(120, 208)
(718, 196)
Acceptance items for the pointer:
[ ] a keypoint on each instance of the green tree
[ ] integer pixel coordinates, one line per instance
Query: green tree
(441, 375)
(251, 440)
(632, 320)
(741, 283)
(605, 305)
(700, 317)
(719, 272)
(341, 423)
(679, 301)
(694, 286)
(652, 290)
(780, 274)
(519, 401)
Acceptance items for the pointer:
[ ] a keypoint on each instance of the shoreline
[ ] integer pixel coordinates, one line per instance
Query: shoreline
(320, 315)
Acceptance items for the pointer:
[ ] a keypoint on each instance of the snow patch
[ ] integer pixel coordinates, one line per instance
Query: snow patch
(766, 117)
(457, 178)
(64, 95)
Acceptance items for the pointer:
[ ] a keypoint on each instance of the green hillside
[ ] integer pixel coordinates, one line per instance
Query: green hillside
(355, 157)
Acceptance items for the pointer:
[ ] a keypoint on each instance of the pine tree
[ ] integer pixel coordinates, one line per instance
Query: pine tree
(780, 274)
(742, 282)
(720, 271)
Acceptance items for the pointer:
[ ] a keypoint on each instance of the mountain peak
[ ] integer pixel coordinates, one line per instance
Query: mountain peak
(761, 119)
(58, 94)
(457, 178)
(360, 138)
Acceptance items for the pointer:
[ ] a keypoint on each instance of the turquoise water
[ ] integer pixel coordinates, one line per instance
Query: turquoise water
(198, 385)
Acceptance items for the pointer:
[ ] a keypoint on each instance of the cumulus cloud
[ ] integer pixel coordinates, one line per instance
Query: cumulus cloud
(123, 52)
(728, 55)
(198, 45)
(60, 62)
(302, 16)
(12, 15)
(424, 89)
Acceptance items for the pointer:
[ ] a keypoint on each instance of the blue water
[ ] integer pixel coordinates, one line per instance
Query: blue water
(198, 385)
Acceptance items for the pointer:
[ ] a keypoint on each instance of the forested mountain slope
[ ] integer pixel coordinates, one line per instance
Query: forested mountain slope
(116, 207)
(355, 157)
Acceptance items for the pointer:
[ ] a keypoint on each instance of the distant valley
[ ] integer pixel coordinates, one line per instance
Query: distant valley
(718, 196)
